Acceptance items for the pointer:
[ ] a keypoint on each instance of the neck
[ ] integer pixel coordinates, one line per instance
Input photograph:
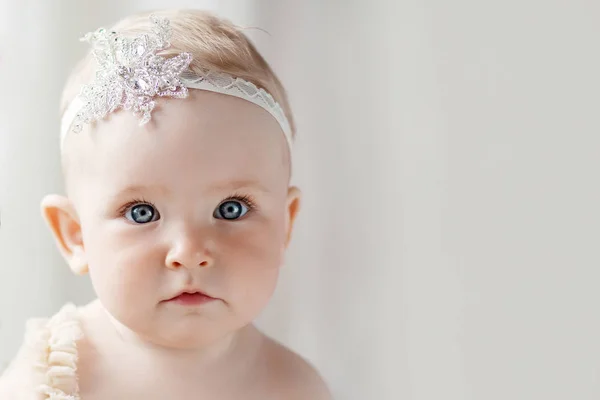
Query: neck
(236, 349)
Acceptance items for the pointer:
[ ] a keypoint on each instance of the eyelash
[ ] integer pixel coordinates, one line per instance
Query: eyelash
(249, 200)
(123, 210)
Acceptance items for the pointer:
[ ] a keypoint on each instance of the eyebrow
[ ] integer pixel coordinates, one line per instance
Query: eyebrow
(132, 189)
(228, 185)
(239, 184)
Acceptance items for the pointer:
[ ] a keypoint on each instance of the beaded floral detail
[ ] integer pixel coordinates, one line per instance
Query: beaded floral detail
(131, 73)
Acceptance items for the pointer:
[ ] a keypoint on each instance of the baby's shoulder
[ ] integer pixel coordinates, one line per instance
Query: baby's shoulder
(291, 376)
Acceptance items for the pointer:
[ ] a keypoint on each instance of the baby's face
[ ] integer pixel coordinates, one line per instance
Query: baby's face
(197, 200)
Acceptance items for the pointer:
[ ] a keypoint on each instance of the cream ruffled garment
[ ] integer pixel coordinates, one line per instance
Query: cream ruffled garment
(46, 366)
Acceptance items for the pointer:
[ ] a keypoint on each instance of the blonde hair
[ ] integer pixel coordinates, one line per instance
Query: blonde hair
(213, 42)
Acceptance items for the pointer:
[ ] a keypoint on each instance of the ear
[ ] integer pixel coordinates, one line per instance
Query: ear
(292, 207)
(62, 219)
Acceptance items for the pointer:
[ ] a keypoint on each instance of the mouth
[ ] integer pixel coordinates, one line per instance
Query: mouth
(191, 299)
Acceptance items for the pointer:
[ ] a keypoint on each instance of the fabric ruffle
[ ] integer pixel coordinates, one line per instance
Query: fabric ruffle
(58, 360)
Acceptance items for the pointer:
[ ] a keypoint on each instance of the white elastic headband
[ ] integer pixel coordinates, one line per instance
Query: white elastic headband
(131, 75)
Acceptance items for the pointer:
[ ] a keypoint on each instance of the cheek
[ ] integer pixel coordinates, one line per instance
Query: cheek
(256, 248)
(250, 261)
(123, 270)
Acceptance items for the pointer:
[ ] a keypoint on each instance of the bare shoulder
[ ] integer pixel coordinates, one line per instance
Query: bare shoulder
(291, 376)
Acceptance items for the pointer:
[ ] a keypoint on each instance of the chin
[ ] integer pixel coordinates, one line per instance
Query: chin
(190, 340)
(192, 332)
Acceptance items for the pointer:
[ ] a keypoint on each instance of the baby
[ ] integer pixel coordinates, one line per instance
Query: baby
(175, 143)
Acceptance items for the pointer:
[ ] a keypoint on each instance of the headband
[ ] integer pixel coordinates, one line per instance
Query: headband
(131, 75)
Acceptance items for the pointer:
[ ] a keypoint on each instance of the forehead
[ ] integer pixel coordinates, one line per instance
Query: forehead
(206, 137)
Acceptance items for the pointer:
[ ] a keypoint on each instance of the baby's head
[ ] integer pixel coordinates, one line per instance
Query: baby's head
(196, 200)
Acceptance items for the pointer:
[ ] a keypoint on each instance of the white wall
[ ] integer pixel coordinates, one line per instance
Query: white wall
(448, 153)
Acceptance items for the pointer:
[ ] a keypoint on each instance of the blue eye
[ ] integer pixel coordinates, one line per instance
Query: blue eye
(230, 210)
(142, 214)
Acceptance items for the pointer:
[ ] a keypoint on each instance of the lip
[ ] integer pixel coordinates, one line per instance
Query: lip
(191, 298)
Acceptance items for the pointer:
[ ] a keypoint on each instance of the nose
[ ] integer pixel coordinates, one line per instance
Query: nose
(190, 252)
